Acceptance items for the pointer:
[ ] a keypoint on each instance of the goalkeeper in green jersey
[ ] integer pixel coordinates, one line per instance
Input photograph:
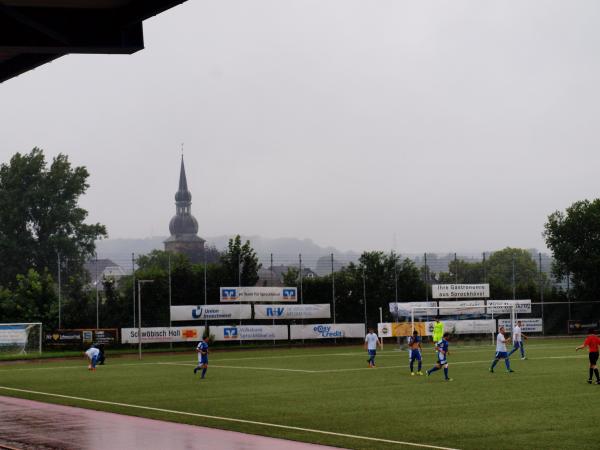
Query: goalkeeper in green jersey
(438, 330)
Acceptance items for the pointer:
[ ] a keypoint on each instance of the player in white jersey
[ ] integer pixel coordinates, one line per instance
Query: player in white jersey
(371, 342)
(501, 352)
(517, 338)
(92, 354)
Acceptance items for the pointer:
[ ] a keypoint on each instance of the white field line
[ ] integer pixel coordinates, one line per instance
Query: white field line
(226, 419)
(354, 369)
(80, 366)
(237, 367)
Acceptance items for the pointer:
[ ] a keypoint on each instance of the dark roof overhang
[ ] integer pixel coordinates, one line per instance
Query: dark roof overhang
(34, 32)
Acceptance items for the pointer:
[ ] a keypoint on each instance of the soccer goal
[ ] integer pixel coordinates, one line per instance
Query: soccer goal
(20, 338)
(470, 324)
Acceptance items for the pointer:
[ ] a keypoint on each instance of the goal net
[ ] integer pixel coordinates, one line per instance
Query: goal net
(470, 324)
(20, 338)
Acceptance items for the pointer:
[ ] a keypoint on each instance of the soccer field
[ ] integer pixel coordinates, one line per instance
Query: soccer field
(330, 396)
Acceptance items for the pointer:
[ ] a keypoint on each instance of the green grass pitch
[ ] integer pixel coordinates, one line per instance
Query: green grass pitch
(546, 403)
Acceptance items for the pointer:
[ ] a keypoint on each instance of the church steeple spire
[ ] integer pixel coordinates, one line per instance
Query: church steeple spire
(183, 222)
(183, 195)
(183, 226)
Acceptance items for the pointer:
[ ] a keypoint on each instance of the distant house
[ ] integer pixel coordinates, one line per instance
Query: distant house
(101, 269)
(273, 276)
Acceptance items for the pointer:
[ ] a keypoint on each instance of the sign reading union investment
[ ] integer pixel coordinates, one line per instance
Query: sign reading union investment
(460, 290)
(258, 294)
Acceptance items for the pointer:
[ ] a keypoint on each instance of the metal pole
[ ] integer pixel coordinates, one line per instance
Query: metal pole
(271, 275)
(569, 292)
(514, 284)
(301, 293)
(170, 303)
(542, 293)
(133, 284)
(140, 283)
(396, 293)
(484, 271)
(426, 273)
(140, 319)
(364, 280)
(455, 269)
(333, 288)
(380, 314)
(240, 283)
(97, 295)
(59, 294)
(205, 288)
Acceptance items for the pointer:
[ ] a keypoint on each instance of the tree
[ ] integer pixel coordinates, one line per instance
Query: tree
(40, 216)
(574, 238)
(240, 263)
(499, 269)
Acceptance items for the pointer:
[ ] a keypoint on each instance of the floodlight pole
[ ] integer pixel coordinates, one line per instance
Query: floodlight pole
(59, 293)
(140, 283)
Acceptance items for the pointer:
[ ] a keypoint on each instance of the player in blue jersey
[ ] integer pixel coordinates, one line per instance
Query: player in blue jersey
(414, 352)
(501, 352)
(441, 348)
(202, 351)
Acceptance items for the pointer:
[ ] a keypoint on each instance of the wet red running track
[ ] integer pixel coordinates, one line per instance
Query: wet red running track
(26, 424)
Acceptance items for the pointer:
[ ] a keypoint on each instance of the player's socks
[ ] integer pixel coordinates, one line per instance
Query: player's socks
(446, 373)
(420, 366)
(203, 372)
(433, 369)
(494, 362)
(597, 374)
(591, 374)
(507, 364)
(412, 365)
(196, 369)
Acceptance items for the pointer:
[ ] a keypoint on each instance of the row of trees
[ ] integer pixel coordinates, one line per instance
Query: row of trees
(41, 223)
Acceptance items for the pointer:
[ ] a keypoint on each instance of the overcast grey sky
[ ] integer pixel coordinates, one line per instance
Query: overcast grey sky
(451, 125)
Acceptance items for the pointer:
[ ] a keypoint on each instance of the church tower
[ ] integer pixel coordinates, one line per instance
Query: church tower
(183, 226)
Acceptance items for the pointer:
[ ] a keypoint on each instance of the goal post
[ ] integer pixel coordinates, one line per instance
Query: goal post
(20, 338)
(476, 324)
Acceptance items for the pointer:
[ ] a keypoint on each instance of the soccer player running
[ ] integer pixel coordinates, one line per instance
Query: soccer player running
(371, 342)
(501, 353)
(438, 331)
(442, 353)
(592, 342)
(414, 348)
(202, 351)
(517, 338)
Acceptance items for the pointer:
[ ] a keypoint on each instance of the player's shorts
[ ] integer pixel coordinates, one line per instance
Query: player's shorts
(593, 358)
(442, 359)
(372, 352)
(518, 344)
(203, 360)
(415, 354)
(500, 355)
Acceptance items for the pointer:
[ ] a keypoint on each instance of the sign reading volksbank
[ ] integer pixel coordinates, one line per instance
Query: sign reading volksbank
(250, 332)
(280, 312)
(258, 294)
(460, 290)
(211, 312)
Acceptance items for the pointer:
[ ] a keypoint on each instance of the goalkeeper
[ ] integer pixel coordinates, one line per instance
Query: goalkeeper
(438, 330)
